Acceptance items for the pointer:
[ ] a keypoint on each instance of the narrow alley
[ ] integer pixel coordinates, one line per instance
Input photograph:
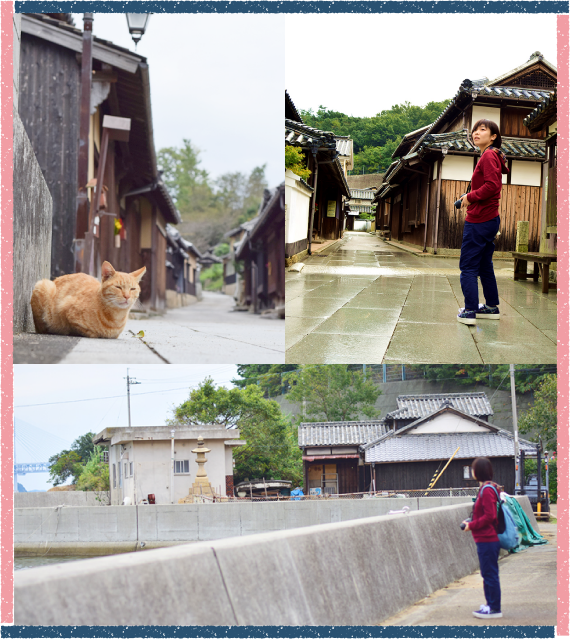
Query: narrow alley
(207, 332)
(367, 300)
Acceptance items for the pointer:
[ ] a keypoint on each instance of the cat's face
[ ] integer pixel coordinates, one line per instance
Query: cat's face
(120, 289)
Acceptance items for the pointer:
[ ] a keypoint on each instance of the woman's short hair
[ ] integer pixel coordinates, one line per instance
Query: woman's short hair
(482, 469)
(493, 127)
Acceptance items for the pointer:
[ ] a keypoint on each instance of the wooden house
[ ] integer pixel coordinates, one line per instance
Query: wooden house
(408, 458)
(331, 457)
(262, 251)
(433, 166)
(131, 230)
(543, 119)
(329, 157)
(182, 270)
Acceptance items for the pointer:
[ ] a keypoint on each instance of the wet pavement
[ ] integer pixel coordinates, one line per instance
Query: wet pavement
(367, 301)
(528, 592)
(208, 332)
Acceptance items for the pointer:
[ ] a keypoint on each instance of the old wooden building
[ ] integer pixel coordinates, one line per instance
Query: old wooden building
(408, 458)
(329, 157)
(135, 205)
(433, 166)
(262, 252)
(544, 119)
(182, 270)
(331, 457)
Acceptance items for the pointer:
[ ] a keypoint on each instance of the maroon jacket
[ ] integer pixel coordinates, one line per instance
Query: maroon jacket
(486, 185)
(484, 522)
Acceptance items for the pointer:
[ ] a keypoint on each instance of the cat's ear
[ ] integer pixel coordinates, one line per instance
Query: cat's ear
(138, 274)
(107, 271)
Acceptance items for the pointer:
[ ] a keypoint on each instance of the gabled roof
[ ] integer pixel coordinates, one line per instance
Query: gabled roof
(403, 445)
(459, 141)
(535, 58)
(301, 135)
(422, 405)
(340, 433)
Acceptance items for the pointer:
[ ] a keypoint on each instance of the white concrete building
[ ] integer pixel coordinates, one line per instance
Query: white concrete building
(159, 460)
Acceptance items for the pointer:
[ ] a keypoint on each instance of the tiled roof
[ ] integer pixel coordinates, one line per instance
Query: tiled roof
(422, 405)
(459, 141)
(301, 135)
(344, 146)
(411, 448)
(535, 57)
(543, 112)
(340, 433)
(291, 109)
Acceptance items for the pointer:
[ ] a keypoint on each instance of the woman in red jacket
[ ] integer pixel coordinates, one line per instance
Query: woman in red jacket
(481, 225)
(483, 526)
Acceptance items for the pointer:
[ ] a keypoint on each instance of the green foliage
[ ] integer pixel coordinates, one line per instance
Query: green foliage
(540, 419)
(271, 450)
(212, 278)
(69, 462)
(526, 376)
(296, 161)
(94, 474)
(222, 249)
(530, 467)
(269, 377)
(64, 465)
(332, 392)
(208, 207)
(375, 138)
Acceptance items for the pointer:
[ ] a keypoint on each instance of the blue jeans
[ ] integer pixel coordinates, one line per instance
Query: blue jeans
(488, 553)
(477, 261)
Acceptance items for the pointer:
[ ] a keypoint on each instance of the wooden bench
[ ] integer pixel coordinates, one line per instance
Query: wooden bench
(541, 262)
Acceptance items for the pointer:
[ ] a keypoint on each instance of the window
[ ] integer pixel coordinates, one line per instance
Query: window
(467, 473)
(114, 476)
(182, 466)
(126, 469)
(132, 468)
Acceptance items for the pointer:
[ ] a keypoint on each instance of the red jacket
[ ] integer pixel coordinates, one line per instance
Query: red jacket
(486, 185)
(484, 522)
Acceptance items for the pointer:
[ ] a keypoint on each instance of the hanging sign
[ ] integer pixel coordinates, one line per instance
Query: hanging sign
(331, 209)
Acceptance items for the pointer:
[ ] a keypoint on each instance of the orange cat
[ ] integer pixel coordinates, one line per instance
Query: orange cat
(80, 305)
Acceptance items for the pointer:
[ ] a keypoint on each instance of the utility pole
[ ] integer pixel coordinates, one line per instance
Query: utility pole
(515, 430)
(130, 381)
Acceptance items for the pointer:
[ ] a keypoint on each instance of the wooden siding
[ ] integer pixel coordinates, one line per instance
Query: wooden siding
(418, 475)
(512, 123)
(552, 182)
(49, 109)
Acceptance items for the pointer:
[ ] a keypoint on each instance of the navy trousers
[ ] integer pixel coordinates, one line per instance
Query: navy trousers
(488, 553)
(476, 261)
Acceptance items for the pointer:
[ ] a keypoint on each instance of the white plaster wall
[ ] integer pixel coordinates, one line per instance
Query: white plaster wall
(297, 202)
(526, 173)
(449, 423)
(488, 113)
(552, 128)
(457, 168)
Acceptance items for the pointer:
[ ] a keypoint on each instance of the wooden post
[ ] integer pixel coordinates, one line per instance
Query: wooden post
(427, 208)
(437, 201)
(154, 261)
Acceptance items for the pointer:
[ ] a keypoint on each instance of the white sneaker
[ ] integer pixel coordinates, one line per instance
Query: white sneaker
(485, 612)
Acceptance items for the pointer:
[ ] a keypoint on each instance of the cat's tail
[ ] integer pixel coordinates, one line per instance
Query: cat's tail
(42, 301)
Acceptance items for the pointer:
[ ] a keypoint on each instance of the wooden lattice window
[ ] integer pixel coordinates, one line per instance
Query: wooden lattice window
(535, 79)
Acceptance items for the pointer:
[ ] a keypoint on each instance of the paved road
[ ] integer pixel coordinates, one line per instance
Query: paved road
(367, 301)
(528, 593)
(207, 332)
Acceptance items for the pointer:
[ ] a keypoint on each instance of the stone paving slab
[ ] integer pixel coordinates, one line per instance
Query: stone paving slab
(357, 290)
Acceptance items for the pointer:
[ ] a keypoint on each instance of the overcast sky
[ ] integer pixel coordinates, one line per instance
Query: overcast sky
(215, 79)
(368, 63)
(58, 418)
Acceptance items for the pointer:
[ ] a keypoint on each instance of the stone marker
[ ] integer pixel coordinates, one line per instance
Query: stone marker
(522, 236)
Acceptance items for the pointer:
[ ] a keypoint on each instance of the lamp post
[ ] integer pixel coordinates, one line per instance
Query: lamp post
(137, 25)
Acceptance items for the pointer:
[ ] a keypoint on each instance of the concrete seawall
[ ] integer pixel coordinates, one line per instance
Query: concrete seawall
(358, 572)
(23, 500)
(116, 529)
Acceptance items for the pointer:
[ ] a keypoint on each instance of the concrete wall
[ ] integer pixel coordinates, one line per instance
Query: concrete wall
(95, 531)
(358, 572)
(54, 498)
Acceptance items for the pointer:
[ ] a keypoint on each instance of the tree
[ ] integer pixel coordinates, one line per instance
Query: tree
(69, 462)
(94, 474)
(296, 162)
(540, 419)
(271, 450)
(332, 392)
(269, 377)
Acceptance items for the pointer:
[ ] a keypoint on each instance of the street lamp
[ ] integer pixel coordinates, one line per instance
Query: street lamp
(137, 25)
